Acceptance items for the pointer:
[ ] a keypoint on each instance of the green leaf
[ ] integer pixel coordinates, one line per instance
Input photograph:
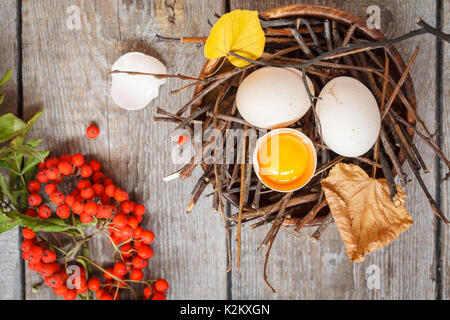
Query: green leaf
(6, 223)
(5, 190)
(6, 78)
(34, 143)
(4, 152)
(36, 224)
(5, 164)
(21, 138)
(10, 126)
(30, 152)
(30, 163)
(2, 97)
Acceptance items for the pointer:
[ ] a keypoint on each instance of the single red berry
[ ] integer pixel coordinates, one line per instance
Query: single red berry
(90, 207)
(120, 220)
(182, 140)
(147, 292)
(53, 173)
(139, 263)
(107, 274)
(35, 254)
(61, 291)
(126, 207)
(109, 190)
(70, 295)
(63, 211)
(42, 176)
(85, 218)
(137, 233)
(65, 167)
(48, 256)
(159, 296)
(57, 197)
(70, 200)
(94, 284)
(99, 293)
(27, 244)
(47, 270)
(34, 186)
(51, 162)
(86, 171)
(104, 212)
(83, 288)
(120, 269)
(98, 177)
(44, 212)
(106, 296)
(87, 193)
(50, 188)
(83, 184)
(125, 250)
(147, 237)
(77, 160)
(66, 157)
(92, 132)
(120, 195)
(31, 213)
(78, 207)
(145, 252)
(139, 209)
(161, 285)
(34, 199)
(108, 181)
(95, 165)
(133, 222)
(99, 189)
(127, 233)
(136, 275)
(56, 280)
(28, 233)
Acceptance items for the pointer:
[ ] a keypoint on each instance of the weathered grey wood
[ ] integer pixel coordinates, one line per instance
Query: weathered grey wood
(301, 270)
(66, 71)
(10, 268)
(445, 123)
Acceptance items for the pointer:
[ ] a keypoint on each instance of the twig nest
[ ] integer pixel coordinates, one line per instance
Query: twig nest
(272, 97)
(132, 91)
(349, 117)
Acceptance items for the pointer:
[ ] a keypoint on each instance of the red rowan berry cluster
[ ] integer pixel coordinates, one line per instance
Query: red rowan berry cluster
(95, 200)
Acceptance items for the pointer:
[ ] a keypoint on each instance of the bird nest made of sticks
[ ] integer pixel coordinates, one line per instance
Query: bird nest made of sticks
(295, 34)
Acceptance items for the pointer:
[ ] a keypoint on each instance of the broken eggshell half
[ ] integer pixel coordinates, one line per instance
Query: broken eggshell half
(135, 91)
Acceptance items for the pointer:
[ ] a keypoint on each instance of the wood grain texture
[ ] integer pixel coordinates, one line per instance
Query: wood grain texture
(445, 140)
(301, 270)
(66, 71)
(10, 267)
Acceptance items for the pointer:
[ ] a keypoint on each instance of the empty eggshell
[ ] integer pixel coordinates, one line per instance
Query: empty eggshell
(349, 117)
(134, 92)
(272, 97)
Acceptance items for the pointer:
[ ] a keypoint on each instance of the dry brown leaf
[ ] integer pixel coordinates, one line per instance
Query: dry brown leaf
(361, 207)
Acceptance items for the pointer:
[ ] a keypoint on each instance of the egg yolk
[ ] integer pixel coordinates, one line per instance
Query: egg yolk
(283, 158)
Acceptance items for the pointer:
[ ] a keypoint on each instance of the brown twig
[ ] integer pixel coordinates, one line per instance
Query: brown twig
(241, 200)
(388, 148)
(400, 82)
(322, 227)
(311, 215)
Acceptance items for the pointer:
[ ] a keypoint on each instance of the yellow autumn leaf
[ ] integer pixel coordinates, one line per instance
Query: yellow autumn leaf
(238, 31)
(366, 217)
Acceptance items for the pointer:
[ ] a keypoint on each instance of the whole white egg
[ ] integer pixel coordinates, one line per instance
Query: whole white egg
(349, 117)
(272, 97)
(134, 92)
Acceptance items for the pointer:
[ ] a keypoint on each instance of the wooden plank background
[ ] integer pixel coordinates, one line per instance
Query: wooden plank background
(66, 71)
(10, 264)
(445, 142)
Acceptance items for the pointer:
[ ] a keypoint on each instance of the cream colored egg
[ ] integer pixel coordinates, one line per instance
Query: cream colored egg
(349, 117)
(134, 92)
(272, 97)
